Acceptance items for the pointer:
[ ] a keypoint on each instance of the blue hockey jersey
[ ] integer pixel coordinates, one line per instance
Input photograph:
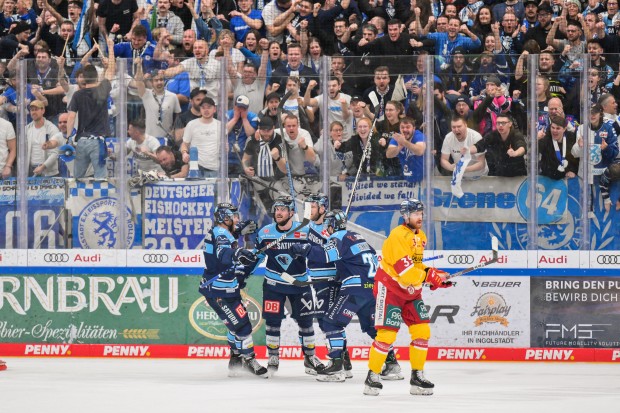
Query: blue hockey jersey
(279, 258)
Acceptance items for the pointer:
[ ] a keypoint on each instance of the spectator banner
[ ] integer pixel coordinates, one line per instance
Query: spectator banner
(96, 212)
(577, 311)
(489, 199)
(46, 201)
(115, 309)
(177, 215)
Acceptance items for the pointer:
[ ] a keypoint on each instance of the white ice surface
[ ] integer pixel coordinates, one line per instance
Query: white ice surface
(50, 385)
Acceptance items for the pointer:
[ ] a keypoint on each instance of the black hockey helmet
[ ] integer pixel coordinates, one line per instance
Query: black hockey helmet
(336, 219)
(224, 210)
(320, 199)
(411, 205)
(285, 201)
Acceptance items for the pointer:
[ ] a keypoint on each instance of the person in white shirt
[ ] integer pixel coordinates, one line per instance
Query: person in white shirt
(204, 134)
(299, 152)
(457, 143)
(42, 137)
(7, 148)
(338, 105)
(142, 146)
(160, 105)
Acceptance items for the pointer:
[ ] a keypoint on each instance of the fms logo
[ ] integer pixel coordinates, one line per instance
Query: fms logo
(98, 225)
(206, 321)
(491, 308)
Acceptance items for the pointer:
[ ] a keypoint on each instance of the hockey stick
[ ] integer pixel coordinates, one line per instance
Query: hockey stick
(284, 144)
(292, 280)
(365, 153)
(494, 247)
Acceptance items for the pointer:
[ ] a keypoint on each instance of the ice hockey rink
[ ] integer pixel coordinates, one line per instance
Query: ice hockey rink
(88, 385)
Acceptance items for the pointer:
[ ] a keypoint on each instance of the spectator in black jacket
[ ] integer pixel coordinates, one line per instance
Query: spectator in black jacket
(505, 148)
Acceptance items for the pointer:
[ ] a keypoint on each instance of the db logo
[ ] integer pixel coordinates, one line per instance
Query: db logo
(272, 307)
(241, 311)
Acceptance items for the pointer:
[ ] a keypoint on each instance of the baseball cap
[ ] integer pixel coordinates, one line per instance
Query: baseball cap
(37, 104)
(273, 95)
(356, 98)
(462, 99)
(265, 123)
(197, 91)
(20, 27)
(207, 101)
(596, 108)
(575, 2)
(495, 80)
(242, 101)
(545, 7)
(526, 2)
(458, 50)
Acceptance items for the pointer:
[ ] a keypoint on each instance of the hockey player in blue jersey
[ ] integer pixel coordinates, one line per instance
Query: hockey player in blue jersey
(319, 270)
(276, 290)
(356, 264)
(226, 269)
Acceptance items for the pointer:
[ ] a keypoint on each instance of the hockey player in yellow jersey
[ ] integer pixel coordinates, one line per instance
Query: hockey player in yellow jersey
(398, 290)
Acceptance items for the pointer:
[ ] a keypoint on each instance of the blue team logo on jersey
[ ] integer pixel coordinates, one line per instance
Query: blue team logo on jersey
(596, 156)
(284, 260)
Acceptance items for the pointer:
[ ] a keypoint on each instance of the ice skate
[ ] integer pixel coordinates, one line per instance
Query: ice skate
(334, 371)
(391, 368)
(372, 385)
(272, 365)
(419, 384)
(235, 365)
(312, 364)
(346, 363)
(251, 364)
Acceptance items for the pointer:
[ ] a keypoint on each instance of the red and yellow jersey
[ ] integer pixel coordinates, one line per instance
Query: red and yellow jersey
(401, 268)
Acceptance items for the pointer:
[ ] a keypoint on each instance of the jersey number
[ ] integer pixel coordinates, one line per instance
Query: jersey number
(370, 259)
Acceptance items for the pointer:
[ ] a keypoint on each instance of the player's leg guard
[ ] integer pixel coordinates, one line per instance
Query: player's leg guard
(379, 349)
(420, 334)
(272, 339)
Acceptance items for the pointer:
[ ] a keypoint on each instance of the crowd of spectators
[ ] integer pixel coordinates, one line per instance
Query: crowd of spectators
(179, 52)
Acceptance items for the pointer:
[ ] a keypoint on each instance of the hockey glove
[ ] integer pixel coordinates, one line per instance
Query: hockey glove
(300, 250)
(244, 257)
(245, 228)
(435, 279)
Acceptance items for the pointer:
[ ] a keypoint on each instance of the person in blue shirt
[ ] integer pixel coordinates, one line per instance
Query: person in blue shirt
(241, 124)
(409, 146)
(356, 264)
(226, 269)
(445, 43)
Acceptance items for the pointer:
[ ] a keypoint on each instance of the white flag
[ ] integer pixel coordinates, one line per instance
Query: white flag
(457, 175)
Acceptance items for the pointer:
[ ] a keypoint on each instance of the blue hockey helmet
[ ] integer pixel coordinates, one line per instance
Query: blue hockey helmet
(283, 201)
(411, 205)
(320, 199)
(336, 219)
(224, 210)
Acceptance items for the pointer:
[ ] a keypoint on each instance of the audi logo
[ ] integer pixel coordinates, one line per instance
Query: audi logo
(460, 259)
(155, 258)
(608, 259)
(56, 257)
